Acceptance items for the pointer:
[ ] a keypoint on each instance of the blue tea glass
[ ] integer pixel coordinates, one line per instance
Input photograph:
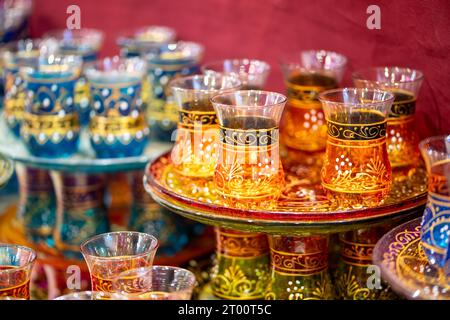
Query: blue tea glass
(85, 43)
(50, 127)
(22, 53)
(173, 60)
(435, 234)
(118, 127)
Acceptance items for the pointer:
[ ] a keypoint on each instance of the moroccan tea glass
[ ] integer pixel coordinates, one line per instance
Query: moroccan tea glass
(19, 54)
(117, 127)
(108, 255)
(50, 127)
(194, 152)
(356, 170)
(16, 264)
(156, 283)
(145, 40)
(249, 174)
(404, 83)
(85, 43)
(307, 74)
(252, 73)
(435, 232)
(91, 295)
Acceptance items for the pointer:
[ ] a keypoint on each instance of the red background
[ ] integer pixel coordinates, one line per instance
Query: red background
(413, 34)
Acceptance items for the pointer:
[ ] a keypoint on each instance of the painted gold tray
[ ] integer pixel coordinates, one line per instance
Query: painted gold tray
(302, 209)
(405, 267)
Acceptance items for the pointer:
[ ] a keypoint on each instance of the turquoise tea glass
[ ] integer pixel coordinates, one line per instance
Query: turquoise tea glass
(50, 127)
(117, 127)
(85, 43)
(435, 232)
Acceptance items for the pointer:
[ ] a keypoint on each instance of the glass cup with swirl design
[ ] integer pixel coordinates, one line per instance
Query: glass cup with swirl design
(194, 152)
(252, 73)
(108, 255)
(16, 264)
(405, 84)
(356, 171)
(307, 74)
(249, 174)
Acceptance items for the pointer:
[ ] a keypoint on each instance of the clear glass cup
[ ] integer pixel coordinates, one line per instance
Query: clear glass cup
(404, 83)
(156, 283)
(109, 254)
(91, 295)
(306, 74)
(16, 265)
(252, 73)
(194, 152)
(249, 173)
(356, 170)
(435, 232)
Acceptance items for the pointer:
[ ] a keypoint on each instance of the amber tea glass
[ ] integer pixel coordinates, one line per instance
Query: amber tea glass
(194, 152)
(16, 264)
(356, 169)
(109, 254)
(249, 174)
(404, 83)
(307, 74)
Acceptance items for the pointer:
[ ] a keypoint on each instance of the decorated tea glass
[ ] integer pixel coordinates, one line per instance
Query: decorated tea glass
(249, 173)
(252, 73)
(108, 255)
(356, 170)
(91, 295)
(307, 74)
(20, 54)
(172, 61)
(194, 153)
(435, 232)
(156, 283)
(50, 127)
(405, 84)
(118, 127)
(85, 43)
(16, 264)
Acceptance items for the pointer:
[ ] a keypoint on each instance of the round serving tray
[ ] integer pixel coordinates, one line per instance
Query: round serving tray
(83, 161)
(405, 267)
(302, 209)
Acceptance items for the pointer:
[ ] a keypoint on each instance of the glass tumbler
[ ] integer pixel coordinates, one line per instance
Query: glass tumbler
(404, 83)
(16, 264)
(194, 152)
(249, 174)
(356, 170)
(307, 74)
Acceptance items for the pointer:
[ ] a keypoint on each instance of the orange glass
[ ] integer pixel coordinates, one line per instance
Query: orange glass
(16, 264)
(249, 174)
(404, 83)
(108, 255)
(356, 170)
(306, 75)
(194, 152)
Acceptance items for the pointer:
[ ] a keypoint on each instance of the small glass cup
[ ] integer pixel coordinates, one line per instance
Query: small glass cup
(252, 73)
(194, 152)
(16, 264)
(91, 295)
(50, 127)
(405, 84)
(356, 170)
(249, 173)
(156, 283)
(306, 75)
(109, 254)
(117, 127)
(435, 232)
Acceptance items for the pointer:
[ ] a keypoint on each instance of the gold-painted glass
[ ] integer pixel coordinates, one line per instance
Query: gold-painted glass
(356, 169)
(194, 152)
(249, 173)
(404, 83)
(306, 75)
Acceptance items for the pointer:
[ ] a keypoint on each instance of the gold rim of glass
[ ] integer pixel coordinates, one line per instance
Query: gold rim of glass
(215, 101)
(235, 83)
